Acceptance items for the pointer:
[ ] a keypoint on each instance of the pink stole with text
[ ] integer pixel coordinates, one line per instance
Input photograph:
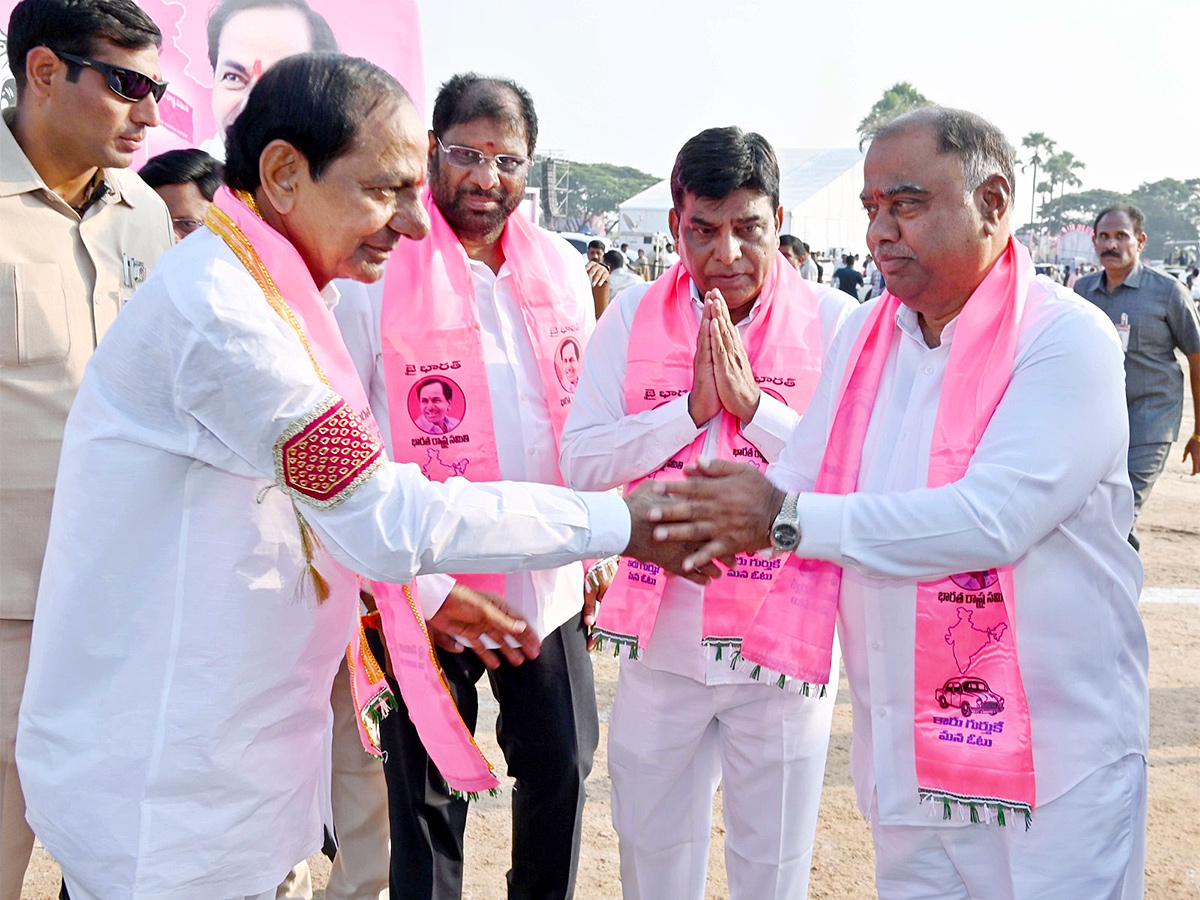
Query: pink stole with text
(783, 343)
(974, 747)
(430, 329)
(429, 703)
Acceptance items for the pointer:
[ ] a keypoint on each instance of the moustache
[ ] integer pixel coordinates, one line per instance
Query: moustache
(494, 194)
(1110, 253)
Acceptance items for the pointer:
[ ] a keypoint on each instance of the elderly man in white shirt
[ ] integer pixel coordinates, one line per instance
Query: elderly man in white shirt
(1045, 497)
(216, 495)
(684, 720)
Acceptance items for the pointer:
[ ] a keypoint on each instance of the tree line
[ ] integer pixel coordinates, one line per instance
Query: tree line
(1171, 205)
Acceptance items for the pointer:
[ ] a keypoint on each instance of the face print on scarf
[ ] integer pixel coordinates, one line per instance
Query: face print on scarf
(975, 581)
(567, 364)
(436, 405)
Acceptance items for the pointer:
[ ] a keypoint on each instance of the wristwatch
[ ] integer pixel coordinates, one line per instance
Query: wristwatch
(785, 530)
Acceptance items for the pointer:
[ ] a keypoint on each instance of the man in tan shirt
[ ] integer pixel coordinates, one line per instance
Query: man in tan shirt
(77, 235)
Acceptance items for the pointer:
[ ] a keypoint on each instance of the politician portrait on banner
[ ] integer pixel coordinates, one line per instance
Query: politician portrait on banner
(214, 52)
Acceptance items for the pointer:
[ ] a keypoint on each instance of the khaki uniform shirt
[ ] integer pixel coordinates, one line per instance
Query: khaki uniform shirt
(62, 282)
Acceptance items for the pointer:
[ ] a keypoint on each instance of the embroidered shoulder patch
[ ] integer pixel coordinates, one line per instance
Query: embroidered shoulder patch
(322, 457)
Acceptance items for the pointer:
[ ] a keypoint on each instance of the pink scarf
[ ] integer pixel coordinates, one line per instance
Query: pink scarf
(783, 342)
(974, 747)
(430, 330)
(285, 280)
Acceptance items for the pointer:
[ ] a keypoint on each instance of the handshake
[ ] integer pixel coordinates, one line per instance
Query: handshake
(721, 509)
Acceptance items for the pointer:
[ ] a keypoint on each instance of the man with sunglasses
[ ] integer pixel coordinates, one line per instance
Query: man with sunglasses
(77, 235)
(484, 304)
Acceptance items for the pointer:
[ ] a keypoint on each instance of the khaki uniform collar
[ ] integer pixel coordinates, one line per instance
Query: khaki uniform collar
(18, 176)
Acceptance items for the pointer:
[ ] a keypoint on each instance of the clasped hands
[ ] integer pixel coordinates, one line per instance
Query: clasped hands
(720, 510)
(723, 508)
(721, 374)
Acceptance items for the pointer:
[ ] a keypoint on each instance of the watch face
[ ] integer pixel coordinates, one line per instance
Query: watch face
(785, 536)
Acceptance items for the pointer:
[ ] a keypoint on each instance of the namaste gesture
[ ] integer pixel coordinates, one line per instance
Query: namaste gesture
(721, 378)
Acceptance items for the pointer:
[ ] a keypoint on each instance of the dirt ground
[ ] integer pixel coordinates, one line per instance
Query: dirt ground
(843, 860)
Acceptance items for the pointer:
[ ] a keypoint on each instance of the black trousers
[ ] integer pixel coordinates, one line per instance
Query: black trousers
(548, 731)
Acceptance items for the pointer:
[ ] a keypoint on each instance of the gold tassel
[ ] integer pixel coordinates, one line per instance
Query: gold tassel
(308, 544)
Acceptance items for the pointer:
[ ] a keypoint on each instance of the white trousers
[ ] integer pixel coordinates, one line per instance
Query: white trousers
(78, 893)
(672, 741)
(1089, 843)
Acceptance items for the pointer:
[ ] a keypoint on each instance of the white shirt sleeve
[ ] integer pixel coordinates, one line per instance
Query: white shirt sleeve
(602, 446)
(245, 378)
(1032, 469)
(771, 426)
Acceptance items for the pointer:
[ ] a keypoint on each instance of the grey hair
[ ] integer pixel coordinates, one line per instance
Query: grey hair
(980, 146)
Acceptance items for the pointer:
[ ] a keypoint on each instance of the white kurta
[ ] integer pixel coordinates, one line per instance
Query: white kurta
(683, 722)
(173, 738)
(603, 447)
(1046, 491)
(525, 445)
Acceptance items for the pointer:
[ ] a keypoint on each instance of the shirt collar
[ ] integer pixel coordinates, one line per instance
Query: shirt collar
(18, 176)
(698, 302)
(1134, 278)
(907, 322)
(484, 271)
(331, 295)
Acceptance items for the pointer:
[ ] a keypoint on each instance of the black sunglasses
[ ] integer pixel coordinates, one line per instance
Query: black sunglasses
(128, 84)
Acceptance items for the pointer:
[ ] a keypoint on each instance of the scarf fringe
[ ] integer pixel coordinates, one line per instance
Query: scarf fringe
(602, 571)
(739, 663)
(473, 795)
(977, 810)
(376, 710)
(623, 645)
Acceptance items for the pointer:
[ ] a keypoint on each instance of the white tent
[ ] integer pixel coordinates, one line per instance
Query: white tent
(818, 190)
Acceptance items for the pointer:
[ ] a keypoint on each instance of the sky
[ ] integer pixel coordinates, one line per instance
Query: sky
(1117, 84)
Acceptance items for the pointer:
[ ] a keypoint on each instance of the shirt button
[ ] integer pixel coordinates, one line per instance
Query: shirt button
(875, 645)
(929, 370)
(881, 713)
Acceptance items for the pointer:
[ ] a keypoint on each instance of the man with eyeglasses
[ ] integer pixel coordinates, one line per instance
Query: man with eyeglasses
(484, 304)
(77, 235)
(187, 180)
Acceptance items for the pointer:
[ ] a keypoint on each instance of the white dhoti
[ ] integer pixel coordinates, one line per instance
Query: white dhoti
(672, 741)
(1090, 842)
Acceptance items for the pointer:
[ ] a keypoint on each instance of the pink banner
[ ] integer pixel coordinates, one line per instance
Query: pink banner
(199, 100)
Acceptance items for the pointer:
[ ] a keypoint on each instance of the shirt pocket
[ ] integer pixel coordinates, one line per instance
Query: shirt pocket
(33, 309)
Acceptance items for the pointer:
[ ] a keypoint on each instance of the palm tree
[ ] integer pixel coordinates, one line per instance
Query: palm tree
(1038, 144)
(899, 98)
(1061, 167)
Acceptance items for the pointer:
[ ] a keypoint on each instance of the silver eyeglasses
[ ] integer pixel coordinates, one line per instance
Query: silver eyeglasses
(470, 158)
